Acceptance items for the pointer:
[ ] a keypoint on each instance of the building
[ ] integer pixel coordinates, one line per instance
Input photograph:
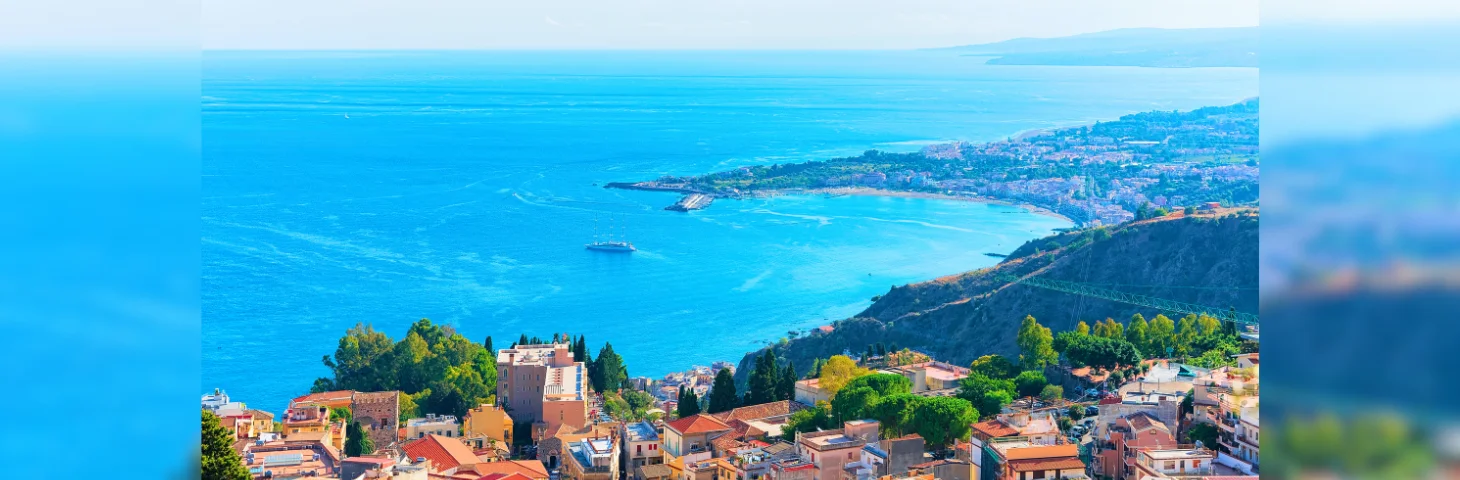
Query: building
(1243, 441)
(1016, 459)
(808, 392)
(1157, 463)
(311, 423)
(367, 467)
(653, 472)
(508, 470)
(945, 469)
(443, 425)
(1113, 454)
(212, 401)
(286, 459)
(691, 436)
(439, 454)
(593, 459)
(378, 414)
(640, 447)
(760, 421)
(1164, 407)
(488, 421)
(831, 451)
(542, 385)
(886, 457)
(928, 376)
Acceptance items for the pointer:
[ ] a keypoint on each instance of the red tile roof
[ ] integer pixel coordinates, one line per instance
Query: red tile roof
(441, 452)
(698, 424)
(1038, 464)
(532, 469)
(764, 410)
(995, 428)
(327, 397)
(1045, 451)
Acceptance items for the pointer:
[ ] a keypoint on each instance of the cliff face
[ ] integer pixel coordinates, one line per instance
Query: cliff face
(1205, 259)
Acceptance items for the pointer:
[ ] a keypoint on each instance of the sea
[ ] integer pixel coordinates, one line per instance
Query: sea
(379, 188)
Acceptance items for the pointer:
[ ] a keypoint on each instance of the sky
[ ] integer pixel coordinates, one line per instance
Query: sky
(586, 24)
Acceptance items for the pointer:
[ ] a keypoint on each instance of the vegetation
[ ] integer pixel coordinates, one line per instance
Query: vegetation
(722, 394)
(1036, 345)
(356, 441)
(441, 370)
(608, 373)
(1051, 393)
(689, 403)
(1367, 446)
(219, 460)
(836, 372)
(628, 405)
(1029, 383)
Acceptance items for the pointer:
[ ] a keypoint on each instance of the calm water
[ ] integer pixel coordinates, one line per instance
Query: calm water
(461, 188)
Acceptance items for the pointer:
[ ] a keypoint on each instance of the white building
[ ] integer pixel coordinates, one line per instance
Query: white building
(443, 425)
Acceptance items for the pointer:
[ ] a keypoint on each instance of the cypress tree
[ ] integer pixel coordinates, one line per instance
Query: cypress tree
(488, 344)
(522, 340)
(788, 382)
(689, 403)
(722, 394)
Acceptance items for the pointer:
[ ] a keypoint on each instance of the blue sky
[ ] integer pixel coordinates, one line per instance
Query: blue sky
(580, 24)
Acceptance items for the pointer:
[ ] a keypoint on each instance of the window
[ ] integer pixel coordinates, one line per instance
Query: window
(1196, 464)
(1170, 465)
(1039, 474)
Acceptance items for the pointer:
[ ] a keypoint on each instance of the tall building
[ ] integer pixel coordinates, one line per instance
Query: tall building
(542, 385)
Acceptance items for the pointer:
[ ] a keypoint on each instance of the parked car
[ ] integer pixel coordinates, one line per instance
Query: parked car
(1091, 411)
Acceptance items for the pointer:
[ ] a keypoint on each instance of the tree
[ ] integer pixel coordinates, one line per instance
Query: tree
(1029, 383)
(689, 403)
(722, 394)
(838, 370)
(1084, 328)
(1160, 337)
(1137, 332)
(610, 373)
(988, 395)
(1050, 393)
(807, 420)
(881, 350)
(894, 413)
(941, 420)
(1205, 433)
(853, 403)
(357, 442)
(488, 345)
(884, 384)
(1076, 412)
(1113, 329)
(340, 413)
(1035, 345)
(761, 386)
(1186, 334)
(995, 366)
(219, 460)
(787, 384)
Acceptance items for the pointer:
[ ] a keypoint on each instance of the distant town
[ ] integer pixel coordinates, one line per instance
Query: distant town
(1101, 174)
(1119, 401)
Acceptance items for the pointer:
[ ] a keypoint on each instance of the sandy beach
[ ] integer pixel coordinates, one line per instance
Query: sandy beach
(878, 192)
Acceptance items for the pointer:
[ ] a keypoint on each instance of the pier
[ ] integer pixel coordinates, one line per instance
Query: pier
(693, 201)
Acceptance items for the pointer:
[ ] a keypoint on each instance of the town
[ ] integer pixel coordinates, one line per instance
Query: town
(1117, 402)
(1102, 174)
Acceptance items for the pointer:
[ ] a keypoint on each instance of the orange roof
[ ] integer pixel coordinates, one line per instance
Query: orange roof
(532, 469)
(1038, 464)
(1043, 451)
(764, 410)
(698, 424)
(506, 476)
(995, 428)
(442, 452)
(337, 398)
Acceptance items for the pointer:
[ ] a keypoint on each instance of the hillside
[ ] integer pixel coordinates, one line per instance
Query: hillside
(1206, 259)
(1141, 47)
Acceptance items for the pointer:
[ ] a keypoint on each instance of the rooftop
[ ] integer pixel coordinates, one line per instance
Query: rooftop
(432, 419)
(641, 431)
(830, 440)
(1178, 454)
(698, 424)
(442, 452)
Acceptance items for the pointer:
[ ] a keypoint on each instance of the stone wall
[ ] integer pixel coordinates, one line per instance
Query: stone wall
(379, 414)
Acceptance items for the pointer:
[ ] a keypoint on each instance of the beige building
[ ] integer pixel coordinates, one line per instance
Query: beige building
(809, 392)
(830, 451)
(542, 385)
(489, 421)
(443, 425)
(691, 436)
(930, 376)
(592, 459)
(1173, 462)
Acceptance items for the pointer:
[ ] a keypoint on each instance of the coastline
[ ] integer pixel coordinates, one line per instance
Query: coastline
(878, 192)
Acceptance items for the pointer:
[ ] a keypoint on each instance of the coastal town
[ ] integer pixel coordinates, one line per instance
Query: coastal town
(1101, 174)
(1119, 401)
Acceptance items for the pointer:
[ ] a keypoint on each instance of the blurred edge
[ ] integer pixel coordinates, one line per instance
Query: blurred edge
(1360, 245)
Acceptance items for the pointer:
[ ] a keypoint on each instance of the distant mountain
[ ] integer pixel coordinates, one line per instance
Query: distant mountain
(1205, 259)
(1137, 47)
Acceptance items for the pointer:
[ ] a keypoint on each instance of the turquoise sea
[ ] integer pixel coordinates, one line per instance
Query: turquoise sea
(383, 187)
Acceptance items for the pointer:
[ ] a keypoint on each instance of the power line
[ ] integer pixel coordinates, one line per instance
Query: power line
(1162, 304)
